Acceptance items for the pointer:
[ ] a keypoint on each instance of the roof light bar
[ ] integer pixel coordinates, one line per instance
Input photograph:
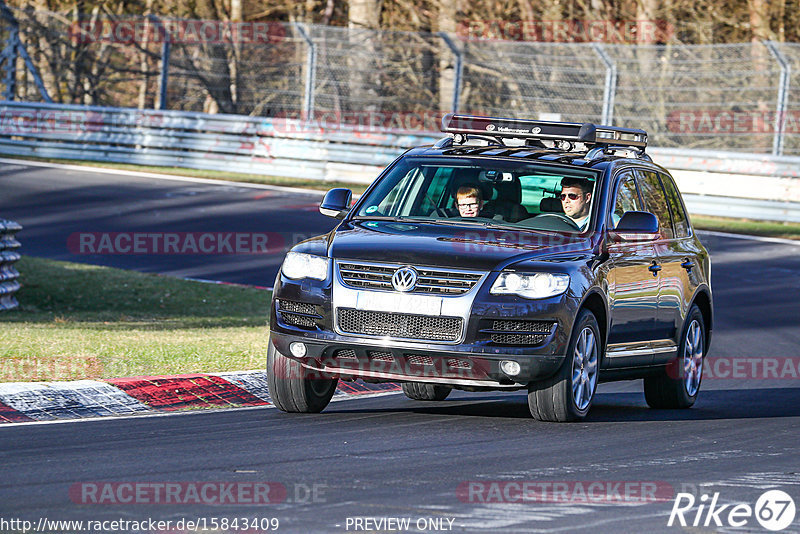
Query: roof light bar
(587, 133)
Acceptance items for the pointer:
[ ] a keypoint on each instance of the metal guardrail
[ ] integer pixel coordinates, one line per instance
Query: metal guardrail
(765, 187)
(745, 208)
(235, 143)
(9, 276)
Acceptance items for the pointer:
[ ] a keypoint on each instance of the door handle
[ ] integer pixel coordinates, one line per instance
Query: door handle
(655, 268)
(687, 264)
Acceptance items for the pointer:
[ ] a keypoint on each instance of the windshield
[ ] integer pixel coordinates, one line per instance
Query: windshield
(526, 195)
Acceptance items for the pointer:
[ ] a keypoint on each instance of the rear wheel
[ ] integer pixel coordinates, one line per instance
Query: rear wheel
(568, 395)
(679, 384)
(292, 387)
(425, 392)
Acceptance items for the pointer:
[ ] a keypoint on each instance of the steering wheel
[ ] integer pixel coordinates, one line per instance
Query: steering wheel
(561, 217)
(441, 213)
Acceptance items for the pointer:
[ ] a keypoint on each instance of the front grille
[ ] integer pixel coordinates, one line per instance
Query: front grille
(346, 354)
(296, 307)
(380, 356)
(458, 364)
(429, 281)
(298, 313)
(399, 325)
(298, 320)
(518, 339)
(542, 327)
(510, 332)
(418, 359)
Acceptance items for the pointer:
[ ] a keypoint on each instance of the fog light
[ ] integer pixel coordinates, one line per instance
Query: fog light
(510, 368)
(297, 349)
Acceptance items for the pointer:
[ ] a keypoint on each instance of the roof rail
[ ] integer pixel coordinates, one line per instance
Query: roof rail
(587, 133)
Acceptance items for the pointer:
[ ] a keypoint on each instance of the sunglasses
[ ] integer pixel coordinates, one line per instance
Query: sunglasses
(572, 196)
(471, 205)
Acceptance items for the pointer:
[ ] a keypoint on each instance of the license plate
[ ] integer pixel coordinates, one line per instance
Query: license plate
(399, 302)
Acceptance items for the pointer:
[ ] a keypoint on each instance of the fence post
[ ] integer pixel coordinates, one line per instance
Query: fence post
(459, 70)
(783, 94)
(163, 77)
(311, 68)
(13, 47)
(610, 90)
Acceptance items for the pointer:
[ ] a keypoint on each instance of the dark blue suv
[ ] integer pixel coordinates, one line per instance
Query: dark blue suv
(512, 254)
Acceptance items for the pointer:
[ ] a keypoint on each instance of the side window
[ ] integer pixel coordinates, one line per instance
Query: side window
(627, 198)
(655, 201)
(675, 206)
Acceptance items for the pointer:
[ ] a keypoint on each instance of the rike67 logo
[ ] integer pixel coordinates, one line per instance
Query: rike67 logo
(774, 510)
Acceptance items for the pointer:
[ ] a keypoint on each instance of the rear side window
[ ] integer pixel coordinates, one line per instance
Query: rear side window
(627, 198)
(675, 206)
(655, 201)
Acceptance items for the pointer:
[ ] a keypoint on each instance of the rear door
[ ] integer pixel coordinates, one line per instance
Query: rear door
(681, 273)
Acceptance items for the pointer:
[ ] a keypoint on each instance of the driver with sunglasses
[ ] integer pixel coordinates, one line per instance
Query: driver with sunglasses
(576, 195)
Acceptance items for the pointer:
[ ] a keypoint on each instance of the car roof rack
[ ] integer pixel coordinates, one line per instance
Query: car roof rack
(587, 133)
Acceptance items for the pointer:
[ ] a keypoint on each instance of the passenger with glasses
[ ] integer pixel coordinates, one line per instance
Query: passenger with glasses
(469, 201)
(576, 196)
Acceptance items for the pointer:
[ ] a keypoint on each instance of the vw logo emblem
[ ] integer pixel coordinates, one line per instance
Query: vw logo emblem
(404, 279)
(490, 127)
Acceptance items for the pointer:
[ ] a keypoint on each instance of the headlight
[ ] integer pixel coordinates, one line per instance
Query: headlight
(530, 286)
(297, 265)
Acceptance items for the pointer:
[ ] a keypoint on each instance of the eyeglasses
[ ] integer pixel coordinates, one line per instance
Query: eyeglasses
(572, 196)
(471, 205)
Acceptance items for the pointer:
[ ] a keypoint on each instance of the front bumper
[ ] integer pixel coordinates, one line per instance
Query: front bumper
(491, 325)
(472, 362)
(459, 366)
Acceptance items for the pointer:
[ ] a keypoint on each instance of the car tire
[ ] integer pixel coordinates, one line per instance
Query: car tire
(425, 392)
(678, 385)
(292, 387)
(568, 395)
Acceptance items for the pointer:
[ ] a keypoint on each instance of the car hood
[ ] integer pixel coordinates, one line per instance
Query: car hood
(460, 247)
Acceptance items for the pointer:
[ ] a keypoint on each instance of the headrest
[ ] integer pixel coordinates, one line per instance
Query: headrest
(551, 204)
(510, 191)
(471, 177)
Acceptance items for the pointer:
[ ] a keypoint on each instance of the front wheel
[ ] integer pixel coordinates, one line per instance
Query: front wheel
(292, 387)
(568, 395)
(679, 384)
(425, 392)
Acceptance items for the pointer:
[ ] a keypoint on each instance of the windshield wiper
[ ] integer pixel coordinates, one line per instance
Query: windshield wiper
(456, 222)
(397, 218)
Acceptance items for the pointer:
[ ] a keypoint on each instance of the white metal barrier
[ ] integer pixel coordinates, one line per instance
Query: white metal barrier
(9, 255)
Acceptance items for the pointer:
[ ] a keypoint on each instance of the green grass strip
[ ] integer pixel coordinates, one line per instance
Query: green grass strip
(82, 321)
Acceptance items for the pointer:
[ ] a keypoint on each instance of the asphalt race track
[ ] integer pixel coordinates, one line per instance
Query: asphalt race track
(453, 466)
(56, 207)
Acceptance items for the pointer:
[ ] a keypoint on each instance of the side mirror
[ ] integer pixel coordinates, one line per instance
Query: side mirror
(636, 226)
(336, 203)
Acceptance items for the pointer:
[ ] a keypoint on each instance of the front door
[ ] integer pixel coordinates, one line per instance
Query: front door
(633, 287)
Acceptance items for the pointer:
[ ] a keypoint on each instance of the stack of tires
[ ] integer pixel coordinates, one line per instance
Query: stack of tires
(9, 276)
